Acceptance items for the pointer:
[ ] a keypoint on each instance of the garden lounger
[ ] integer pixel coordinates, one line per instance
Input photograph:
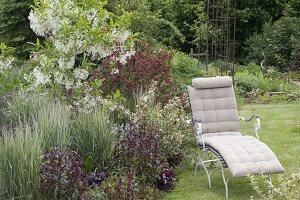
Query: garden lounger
(216, 120)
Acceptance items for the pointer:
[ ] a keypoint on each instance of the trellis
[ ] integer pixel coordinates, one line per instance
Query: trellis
(221, 36)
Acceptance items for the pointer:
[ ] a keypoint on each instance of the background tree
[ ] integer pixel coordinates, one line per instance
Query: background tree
(14, 25)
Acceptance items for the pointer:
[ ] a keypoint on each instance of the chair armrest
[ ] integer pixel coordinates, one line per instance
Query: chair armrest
(198, 126)
(257, 126)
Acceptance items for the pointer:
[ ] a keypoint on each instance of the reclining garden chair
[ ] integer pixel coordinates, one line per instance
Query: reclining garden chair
(216, 120)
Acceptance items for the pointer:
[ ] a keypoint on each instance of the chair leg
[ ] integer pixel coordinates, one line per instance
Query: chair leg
(225, 182)
(270, 183)
(201, 162)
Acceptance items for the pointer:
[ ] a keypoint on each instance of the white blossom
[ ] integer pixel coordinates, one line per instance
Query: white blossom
(5, 63)
(37, 24)
(123, 58)
(66, 63)
(114, 71)
(92, 16)
(40, 77)
(81, 74)
(98, 51)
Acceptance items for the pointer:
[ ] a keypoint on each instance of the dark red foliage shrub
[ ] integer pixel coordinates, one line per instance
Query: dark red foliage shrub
(62, 176)
(138, 149)
(146, 65)
(95, 178)
(167, 179)
(175, 160)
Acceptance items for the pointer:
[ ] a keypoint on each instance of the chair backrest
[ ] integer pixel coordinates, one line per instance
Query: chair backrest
(213, 102)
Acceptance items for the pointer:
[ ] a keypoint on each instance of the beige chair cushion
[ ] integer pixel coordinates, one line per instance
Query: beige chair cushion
(245, 155)
(215, 107)
(208, 83)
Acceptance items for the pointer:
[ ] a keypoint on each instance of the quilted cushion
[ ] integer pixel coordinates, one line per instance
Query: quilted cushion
(215, 107)
(215, 82)
(245, 155)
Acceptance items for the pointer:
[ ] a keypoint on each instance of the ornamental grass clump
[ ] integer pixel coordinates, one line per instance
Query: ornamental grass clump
(20, 155)
(54, 123)
(93, 137)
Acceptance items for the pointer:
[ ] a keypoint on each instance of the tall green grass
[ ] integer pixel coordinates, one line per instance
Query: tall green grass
(54, 124)
(24, 105)
(53, 118)
(93, 136)
(20, 158)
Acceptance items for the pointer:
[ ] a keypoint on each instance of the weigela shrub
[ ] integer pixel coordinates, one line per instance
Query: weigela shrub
(169, 121)
(144, 66)
(62, 176)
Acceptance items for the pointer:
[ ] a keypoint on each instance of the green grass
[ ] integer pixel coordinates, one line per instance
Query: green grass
(280, 131)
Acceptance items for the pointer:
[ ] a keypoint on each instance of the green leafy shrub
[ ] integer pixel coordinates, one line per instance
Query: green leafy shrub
(247, 82)
(20, 155)
(185, 68)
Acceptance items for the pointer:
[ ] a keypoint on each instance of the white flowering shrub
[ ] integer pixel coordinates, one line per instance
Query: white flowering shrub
(78, 35)
(6, 59)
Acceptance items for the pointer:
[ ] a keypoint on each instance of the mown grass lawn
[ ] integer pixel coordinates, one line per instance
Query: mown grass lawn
(280, 131)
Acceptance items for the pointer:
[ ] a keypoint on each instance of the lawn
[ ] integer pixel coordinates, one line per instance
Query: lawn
(280, 131)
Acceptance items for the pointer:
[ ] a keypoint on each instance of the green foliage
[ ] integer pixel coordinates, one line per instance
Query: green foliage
(280, 42)
(12, 80)
(288, 189)
(246, 82)
(174, 23)
(185, 68)
(252, 15)
(14, 25)
(124, 188)
(20, 154)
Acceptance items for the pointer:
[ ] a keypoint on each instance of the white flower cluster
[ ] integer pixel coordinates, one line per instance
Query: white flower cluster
(65, 28)
(40, 77)
(5, 63)
(81, 74)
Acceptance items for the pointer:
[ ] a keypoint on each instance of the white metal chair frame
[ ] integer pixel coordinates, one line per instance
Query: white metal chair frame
(205, 149)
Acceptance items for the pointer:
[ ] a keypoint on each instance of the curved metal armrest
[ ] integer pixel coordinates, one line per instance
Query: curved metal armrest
(198, 125)
(257, 126)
